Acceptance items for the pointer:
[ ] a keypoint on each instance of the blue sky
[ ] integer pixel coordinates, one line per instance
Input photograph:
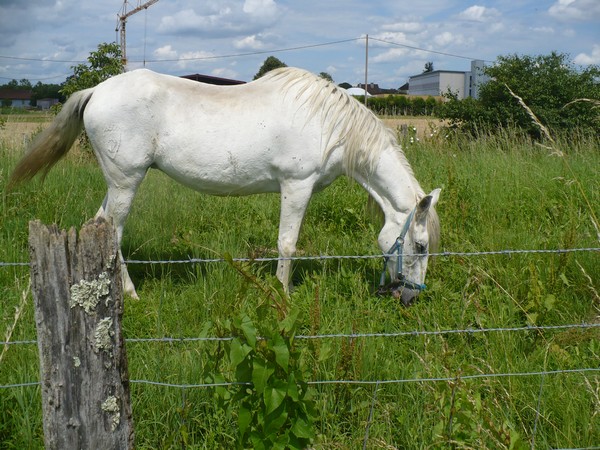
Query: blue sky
(42, 39)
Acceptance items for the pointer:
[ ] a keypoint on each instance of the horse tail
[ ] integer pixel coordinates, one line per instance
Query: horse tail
(54, 142)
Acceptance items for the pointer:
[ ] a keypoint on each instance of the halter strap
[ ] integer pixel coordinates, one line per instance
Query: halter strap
(398, 248)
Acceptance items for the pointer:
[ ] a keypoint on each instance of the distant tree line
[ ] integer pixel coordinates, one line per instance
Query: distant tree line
(38, 91)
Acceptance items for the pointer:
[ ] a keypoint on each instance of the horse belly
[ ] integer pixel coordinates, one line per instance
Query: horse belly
(221, 172)
(230, 163)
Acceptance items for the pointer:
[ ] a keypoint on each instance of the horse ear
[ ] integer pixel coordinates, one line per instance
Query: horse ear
(427, 202)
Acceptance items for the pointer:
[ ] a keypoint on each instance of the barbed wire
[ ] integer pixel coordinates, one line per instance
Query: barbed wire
(413, 333)
(454, 378)
(446, 254)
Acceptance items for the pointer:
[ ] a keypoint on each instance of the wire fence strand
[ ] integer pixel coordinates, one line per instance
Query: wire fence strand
(415, 333)
(343, 257)
(476, 376)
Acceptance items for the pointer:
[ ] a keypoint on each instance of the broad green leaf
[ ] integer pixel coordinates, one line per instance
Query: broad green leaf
(261, 371)
(238, 351)
(302, 429)
(290, 322)
(274, 396)
(275, 422)
(282, 354)
(292, 388)
(244, 419)
(249, 330)
(258, 443)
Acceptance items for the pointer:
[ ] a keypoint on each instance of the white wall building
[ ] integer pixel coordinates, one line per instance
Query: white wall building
(438, 82)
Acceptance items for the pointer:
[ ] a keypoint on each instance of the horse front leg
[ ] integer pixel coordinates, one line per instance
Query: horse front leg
(295, 196)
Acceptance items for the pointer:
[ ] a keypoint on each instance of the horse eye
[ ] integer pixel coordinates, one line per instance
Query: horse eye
(420, 247)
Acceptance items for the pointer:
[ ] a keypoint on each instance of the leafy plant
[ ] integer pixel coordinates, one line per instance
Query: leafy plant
(273, 404)
(102, 64)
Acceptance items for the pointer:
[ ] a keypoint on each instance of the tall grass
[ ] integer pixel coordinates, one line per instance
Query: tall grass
(499, 192)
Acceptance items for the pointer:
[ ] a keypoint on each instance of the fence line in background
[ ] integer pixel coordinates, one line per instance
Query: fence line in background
(342, 257)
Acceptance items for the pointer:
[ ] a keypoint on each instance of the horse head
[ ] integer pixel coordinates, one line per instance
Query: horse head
(407, 259)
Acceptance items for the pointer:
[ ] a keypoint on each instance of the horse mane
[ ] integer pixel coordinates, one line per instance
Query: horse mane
(350, 123)
(345, 120)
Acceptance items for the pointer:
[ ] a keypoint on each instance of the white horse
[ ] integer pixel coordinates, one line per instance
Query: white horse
(289, 132)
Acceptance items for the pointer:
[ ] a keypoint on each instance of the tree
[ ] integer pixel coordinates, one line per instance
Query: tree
(41, 90)
(345, 85)
(102, 64)
(270, 63)
(326, 76)
(545, 83)
(428, 67)
(13, 84)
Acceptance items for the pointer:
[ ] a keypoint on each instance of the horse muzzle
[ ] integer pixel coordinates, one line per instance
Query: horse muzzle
(402, 289)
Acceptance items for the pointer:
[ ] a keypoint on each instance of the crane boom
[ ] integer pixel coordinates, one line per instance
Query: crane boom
(123, 16)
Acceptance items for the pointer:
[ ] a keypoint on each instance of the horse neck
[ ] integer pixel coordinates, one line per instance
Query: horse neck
(392, 184)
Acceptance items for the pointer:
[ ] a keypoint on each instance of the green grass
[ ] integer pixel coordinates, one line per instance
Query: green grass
(498, 193)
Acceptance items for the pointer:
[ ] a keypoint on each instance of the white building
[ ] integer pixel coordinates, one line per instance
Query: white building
(438, 82)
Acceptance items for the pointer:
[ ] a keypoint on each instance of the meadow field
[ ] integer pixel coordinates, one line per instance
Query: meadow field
(486, 358)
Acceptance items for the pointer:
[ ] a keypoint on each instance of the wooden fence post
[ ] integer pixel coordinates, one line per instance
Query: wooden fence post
(77, 292)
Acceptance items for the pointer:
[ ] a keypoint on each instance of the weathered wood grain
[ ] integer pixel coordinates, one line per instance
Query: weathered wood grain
(76, 286)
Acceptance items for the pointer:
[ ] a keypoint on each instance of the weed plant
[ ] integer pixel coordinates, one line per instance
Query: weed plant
(500, 192)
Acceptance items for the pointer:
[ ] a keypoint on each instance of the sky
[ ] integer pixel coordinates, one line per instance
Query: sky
(40, 40)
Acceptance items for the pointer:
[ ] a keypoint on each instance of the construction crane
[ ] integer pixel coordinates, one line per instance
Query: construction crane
(122, 21)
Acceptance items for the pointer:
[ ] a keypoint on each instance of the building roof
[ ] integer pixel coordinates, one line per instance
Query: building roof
(212, 80)
(15, 94)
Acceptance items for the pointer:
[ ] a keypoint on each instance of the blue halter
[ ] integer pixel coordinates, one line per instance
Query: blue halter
(398, 248)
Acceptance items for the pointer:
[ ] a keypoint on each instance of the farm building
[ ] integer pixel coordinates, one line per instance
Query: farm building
(17, 98)
(46, 103)
(438, 82)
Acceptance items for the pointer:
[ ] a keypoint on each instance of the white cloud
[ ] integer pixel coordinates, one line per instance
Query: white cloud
(331, 70)
(192, 58)
(444, 39)
(393, 54)
(262, 8)
(404, 27)
(448, 38)
(478, 13)
(546, 30)
(396, 37)
(226, 19)
(252, 42)
(224, 72)
(575, 10)
(585, 59)
(165, 52)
